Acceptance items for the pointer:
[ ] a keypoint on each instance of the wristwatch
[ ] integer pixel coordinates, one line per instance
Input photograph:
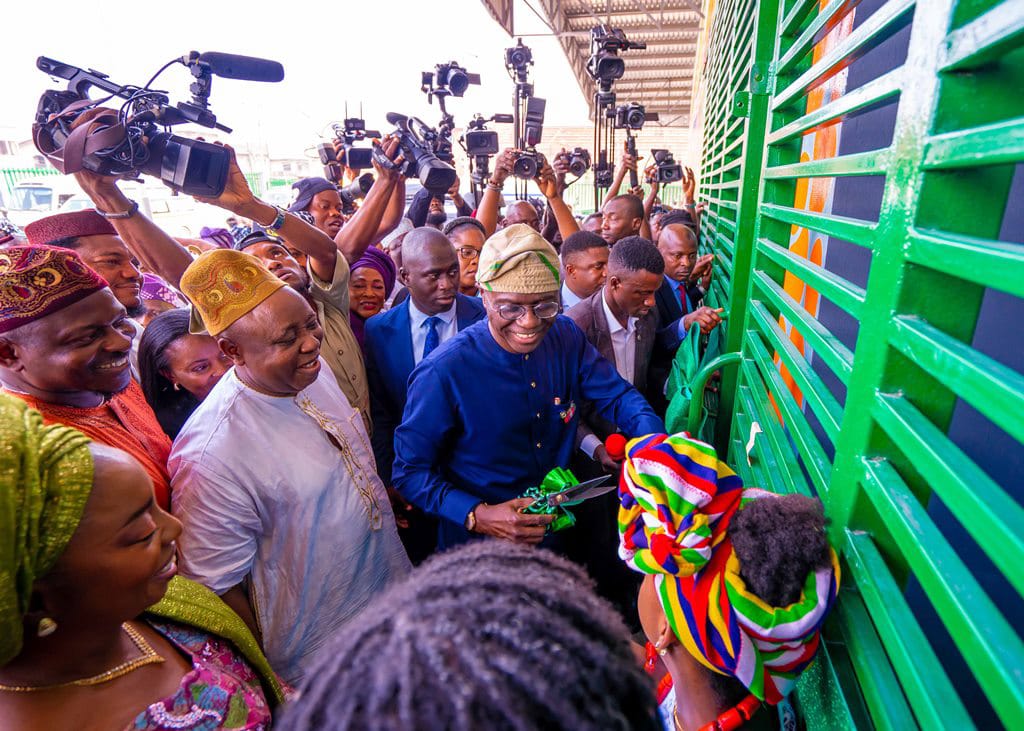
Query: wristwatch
(470, 523)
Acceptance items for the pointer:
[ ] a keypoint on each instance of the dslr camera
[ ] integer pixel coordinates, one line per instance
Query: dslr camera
(579, 161)
(527, 162)
(352, 157)
(631, 116)
(669, 171)
(416, 141)
(356, 190)
(134, 139)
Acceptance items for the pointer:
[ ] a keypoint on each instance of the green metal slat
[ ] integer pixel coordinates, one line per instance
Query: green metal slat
(990, 387)
(882, 694)
(993, 264)
(882, 23)
(993, 144)
(826, 18)
(931, 695)
(990, 646)
(789, 26)
(810, 449)
(821, 400)
(826, 345)
(844, 294)
(993, 518)
(850, 229)
(871, 93)
(873, 162)
(780, 462)
(984, 39)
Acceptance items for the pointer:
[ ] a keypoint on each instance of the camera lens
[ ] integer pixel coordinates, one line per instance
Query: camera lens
(609, 67)
(635, 118)
(525, 167)
(458, 82)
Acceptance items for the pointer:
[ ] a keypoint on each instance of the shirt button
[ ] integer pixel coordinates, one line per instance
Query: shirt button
(341, 352)
(538, 414)
(538, 445)
(526, 357)
(533, 384)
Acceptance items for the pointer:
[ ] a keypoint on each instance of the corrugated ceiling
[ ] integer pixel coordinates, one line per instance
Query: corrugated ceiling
(660, 77)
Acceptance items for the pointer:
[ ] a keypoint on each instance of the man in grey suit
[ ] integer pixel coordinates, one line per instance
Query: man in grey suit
(621, 321)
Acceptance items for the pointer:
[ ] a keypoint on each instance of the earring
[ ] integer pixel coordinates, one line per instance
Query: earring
(46, 627)
(177, 386)
(662, 651)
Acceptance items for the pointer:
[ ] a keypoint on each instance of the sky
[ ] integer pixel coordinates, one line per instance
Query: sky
(331, 52)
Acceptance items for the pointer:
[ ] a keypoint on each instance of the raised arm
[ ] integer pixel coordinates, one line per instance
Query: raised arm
(361, 230)
(548, 184)
(488, 211)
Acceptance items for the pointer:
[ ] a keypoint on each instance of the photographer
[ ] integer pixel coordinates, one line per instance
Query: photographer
(419, 208)
(621, 213)
(523, 211)
(325, 281)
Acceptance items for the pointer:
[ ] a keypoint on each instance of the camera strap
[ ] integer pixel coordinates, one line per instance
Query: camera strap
(102, 132)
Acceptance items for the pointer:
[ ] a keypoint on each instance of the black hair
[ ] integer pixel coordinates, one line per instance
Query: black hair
(172, 408)
(258, 237)
(636, 206)
(778, 542)
(461, 221)
(579, 242)
(66, 242)
(492, 636)
(634, 254)
(678, 215)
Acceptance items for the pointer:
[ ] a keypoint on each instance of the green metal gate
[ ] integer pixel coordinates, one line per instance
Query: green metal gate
(879, 451)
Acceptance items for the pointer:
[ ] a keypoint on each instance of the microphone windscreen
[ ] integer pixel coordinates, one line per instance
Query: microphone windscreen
(246, 68)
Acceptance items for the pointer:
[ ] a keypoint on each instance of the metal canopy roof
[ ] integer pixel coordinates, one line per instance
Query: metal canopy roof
(659, 77)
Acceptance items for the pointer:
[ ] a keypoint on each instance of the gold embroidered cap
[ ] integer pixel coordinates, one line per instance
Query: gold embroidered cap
(518, 260)
(223, 285)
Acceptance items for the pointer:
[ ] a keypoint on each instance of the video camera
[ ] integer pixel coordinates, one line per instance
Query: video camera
(355, 158)
(669, 171)
(604, 64)
(416, 140)
(133, 140)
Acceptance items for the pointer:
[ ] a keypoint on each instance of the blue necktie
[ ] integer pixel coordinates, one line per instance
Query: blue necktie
(433, 336)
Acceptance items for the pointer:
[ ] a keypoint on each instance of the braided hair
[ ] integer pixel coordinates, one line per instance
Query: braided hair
(488, 636)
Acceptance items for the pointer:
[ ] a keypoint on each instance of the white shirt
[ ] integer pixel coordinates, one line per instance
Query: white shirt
(448, 328)
(264, 493)
(569, 298)
(623, 341)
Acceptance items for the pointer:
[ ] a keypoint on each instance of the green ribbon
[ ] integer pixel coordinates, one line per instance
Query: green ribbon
(554, 481)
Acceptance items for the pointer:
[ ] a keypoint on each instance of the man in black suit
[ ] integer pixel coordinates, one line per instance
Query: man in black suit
(687, 279)
(621, 321)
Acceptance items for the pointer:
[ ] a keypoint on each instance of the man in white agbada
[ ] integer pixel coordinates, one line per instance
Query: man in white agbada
(273, 477)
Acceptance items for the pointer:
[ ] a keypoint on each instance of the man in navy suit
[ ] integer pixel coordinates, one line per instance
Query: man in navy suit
(399, 339)
(686, 281)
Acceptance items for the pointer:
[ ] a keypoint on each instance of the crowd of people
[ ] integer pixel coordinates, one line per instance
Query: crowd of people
(274, 476)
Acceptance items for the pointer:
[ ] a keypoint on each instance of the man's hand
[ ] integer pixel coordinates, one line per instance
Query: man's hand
(389, 146)
(608, 464)
(561, 167)
(689, 182)
(702, 271)
(453, 191)
(707, 318)
(628, 162)
(237, 196)
(503, 166)
(638, 191)
(546, 180)
(507, 521)
(651, 177)
(401, 508)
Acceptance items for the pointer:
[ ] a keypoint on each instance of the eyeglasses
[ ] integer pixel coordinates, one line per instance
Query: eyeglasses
(468, 252)
(543, 310)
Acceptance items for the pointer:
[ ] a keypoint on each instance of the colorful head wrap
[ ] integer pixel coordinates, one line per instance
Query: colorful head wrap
(155, 288)
(65, 225)
(376, 259)
(677, 502)
(36, 281)
(518, 260)
(45, 479)
(219, 236)
(305, 189)
(223, 285)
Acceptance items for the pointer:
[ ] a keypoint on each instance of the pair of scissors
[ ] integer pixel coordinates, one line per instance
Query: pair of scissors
(578, 493)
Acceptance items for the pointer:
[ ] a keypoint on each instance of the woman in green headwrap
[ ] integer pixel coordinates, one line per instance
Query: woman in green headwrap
(96, 632)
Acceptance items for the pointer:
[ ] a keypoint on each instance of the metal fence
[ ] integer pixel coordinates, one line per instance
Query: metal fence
(862, 419)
